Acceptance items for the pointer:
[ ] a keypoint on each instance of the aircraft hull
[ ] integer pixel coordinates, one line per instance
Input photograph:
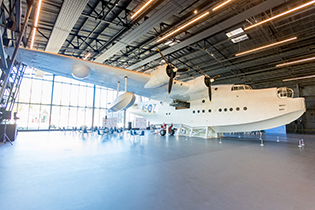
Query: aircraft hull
(237, 111)
(260, 125)
(241, 127)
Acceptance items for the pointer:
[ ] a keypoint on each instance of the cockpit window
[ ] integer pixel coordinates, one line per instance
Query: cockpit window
(247, 87)
(241, 87)
(285, 92)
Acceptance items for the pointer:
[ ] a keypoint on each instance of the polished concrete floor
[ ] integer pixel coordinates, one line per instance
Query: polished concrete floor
(57, 170)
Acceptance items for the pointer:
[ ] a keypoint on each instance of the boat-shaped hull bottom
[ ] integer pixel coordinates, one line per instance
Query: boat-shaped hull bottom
(260, 125)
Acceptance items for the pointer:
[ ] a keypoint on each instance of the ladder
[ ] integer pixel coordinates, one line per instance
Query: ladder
(12, 88)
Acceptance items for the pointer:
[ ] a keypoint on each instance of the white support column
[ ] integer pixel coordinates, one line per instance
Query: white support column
(207, 130)
(179, 130)
(118, 88)
(126, 84)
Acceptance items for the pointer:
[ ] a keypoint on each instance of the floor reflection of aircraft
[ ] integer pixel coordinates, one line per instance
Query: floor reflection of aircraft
(231, 108)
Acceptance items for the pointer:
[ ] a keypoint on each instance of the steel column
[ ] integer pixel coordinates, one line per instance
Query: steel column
(18, 10)
(93, 110)
(51, 101)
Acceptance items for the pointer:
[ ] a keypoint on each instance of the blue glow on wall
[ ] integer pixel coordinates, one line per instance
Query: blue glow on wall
(278, 130)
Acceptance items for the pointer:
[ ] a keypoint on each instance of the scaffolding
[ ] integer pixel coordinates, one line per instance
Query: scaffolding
(12, 89)
(204, 132)
(13, 34)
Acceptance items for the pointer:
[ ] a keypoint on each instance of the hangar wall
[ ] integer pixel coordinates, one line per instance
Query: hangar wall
(54, 102)
(305, 124)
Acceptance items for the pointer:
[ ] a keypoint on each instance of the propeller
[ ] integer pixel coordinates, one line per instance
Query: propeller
(208, 82)
(171, 72)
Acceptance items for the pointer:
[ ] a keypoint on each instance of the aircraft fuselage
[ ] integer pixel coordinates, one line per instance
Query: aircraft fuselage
(230, 110)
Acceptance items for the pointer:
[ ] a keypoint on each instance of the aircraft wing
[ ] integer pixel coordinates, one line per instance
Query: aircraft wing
(100, 74)
(103, 75)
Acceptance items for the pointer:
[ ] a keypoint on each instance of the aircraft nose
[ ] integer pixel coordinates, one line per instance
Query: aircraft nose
(303, 102)
(300, 103)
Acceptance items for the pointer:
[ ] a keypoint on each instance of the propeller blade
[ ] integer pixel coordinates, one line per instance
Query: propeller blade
(208, 84)
(216, 77)
(170, 83)
(163, 57)
(169, 70)
(182, 70)
(201, 71)
(209, 91)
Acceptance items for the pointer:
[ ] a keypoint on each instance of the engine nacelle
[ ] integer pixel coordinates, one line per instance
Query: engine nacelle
(122, 102)
(80, 71)
(196, 85)
(158, 78)
(200, 84)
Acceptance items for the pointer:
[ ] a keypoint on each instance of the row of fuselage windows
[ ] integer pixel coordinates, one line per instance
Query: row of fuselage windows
(220, 110)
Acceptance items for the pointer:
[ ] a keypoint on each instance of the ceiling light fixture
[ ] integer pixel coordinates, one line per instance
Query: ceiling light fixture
(184, 26)
(280, 15)
(221, 5)
(174, 42)
(235, 32)
(239, 38)
(86, 56)
(36, 23)
(142, 8)
(168, 42)
(298, 78)
(296, 62)
(266, 46)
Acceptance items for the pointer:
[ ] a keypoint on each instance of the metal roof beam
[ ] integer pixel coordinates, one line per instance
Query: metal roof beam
(64, 24)
(165, 12)
(215, 29)
(100, 19)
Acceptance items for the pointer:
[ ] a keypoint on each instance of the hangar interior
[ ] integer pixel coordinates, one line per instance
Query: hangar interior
(261, 43)
(115, 33)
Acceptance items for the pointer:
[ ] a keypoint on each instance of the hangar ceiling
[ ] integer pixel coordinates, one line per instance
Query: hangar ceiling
(105, 29)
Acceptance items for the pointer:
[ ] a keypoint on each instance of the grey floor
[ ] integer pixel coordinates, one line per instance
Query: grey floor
(57, 170)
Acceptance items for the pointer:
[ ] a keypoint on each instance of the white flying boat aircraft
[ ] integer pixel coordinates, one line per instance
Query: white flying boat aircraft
(231, 108)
